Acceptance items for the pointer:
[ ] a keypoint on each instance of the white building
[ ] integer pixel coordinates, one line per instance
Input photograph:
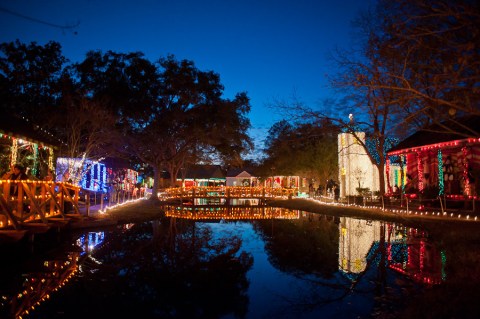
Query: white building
(355, 167)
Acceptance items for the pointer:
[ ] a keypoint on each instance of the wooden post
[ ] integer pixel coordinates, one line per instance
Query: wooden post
(87, 203)
(19, 199)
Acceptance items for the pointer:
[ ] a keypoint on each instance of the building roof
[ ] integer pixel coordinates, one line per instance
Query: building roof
(15, 126)
(432, 135)
(204, 172)
(239, 172)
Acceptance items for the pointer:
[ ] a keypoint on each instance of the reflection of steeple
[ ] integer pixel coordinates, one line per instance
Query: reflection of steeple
(356, 238)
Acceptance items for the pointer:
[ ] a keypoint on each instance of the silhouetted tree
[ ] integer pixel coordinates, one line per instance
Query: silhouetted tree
(30, 79)
(312, 145)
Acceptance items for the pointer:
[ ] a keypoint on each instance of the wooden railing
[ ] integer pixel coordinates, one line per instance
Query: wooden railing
(24, 201)
(228, 192)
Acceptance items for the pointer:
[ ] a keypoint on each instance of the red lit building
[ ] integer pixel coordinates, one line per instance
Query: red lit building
(437, 163)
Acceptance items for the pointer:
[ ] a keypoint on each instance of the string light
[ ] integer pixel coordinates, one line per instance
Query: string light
(13, 158)
(466, 179)
(441, 184)
(420, 171)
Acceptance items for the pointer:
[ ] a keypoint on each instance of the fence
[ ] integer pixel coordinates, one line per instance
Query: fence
(27, 201)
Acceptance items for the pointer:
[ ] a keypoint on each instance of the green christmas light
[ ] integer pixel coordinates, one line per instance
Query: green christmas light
(441, 186)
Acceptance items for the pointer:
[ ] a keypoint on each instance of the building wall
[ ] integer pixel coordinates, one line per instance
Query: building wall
(355, 167)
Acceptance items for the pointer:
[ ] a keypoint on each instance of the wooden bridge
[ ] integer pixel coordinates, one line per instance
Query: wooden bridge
(25, 203)
(227, 193)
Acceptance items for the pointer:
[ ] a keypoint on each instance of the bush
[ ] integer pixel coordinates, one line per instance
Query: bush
(363, 191)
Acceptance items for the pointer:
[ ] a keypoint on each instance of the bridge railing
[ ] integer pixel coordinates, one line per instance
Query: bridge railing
(228, 192)
(23, 201)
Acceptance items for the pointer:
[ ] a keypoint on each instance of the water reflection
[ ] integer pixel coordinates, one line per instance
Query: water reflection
(89, 241)
(230, 212)
(405, 250)
(249, 262)
(31, 289)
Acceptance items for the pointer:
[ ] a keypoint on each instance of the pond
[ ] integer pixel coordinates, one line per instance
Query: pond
(246, 263)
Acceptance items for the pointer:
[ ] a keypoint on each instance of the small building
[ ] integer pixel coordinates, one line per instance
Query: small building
(440, 163)
(280, 181)
(89, 175)
(241, 177)
(202, 175)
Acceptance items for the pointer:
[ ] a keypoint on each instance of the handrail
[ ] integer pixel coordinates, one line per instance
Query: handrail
(228, 192)
(24, 201)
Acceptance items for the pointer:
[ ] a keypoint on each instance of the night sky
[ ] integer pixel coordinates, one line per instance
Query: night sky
(270, 49)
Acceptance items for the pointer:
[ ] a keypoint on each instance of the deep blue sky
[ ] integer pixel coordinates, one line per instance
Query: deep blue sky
(270, 49)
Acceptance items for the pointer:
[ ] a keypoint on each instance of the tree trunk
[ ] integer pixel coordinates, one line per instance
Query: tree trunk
(156, 182)
(381, 178)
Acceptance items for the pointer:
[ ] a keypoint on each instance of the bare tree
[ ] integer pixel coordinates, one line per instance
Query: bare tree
(437, 70)
(86, 129)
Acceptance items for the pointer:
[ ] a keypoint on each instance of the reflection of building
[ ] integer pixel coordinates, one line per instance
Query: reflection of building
(90, 241)
(356, 239)
(421, 260)
(405, 250)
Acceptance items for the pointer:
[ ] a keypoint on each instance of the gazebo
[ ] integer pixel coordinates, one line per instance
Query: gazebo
(22, 141)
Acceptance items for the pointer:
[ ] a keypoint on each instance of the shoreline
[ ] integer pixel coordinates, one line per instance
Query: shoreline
(146, 210)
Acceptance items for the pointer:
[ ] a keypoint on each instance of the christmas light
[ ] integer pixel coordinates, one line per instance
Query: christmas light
(420, 171)
(441, 185)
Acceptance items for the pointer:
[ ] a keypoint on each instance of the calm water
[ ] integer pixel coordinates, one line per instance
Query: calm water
(273, 263)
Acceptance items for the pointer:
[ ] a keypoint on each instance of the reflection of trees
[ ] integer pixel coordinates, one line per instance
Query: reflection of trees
(307, 245)
(169, 269)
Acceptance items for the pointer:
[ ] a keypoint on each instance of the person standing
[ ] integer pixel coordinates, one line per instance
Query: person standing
(67, 204)
(336, 190)
(17, 172)
(49, 176)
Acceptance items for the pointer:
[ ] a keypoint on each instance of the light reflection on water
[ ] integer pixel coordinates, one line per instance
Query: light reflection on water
(248, 262)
